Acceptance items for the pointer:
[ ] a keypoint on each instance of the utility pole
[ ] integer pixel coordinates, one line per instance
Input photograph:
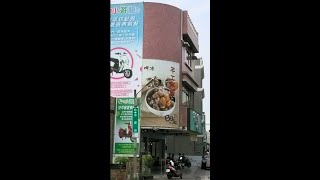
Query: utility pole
(136, 128)
(135, 117)
(135, 169)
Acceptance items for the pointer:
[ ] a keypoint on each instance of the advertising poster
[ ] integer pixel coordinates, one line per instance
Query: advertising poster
(160, 100)
(123, 128)
(126, 33)
(195, 123)
(203, 124)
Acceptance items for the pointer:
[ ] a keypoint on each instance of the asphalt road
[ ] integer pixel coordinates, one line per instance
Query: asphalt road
(194, 173)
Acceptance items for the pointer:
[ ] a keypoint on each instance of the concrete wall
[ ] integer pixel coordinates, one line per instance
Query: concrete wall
(179, 144)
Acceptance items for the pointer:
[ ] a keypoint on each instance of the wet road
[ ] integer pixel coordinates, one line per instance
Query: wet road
(194, 173)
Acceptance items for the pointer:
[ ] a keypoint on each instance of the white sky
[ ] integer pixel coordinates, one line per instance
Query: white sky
(199, 12)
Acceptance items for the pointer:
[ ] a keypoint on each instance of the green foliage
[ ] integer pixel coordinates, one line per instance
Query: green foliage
(148, 161)
(121, 160)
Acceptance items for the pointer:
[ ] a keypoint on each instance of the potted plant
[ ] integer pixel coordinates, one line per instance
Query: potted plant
(148, 162)
(122, 161)
(119, 164)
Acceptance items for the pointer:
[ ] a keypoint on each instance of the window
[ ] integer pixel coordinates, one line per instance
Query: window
(187, 97)
(188, 57)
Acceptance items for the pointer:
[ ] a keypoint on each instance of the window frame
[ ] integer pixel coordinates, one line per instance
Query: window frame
(186, 92)
(188, 62)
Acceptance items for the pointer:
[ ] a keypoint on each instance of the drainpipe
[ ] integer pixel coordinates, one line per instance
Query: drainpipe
(181, 36)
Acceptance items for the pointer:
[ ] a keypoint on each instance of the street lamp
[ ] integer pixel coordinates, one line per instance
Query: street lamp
(136, 106)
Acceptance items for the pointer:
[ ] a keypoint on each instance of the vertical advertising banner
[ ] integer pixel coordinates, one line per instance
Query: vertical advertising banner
(124, 128)
(195, 122)
(126, 28)
(126, 33)
(203, 123)
(160, 100)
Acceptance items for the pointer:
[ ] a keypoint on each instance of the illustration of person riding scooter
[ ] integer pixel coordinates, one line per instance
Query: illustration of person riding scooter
(119, 66)
(126, 133)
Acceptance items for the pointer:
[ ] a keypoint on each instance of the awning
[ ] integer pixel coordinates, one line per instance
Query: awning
(165, 130)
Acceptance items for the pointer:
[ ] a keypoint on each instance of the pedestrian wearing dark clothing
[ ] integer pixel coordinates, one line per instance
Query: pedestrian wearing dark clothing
(169, 156)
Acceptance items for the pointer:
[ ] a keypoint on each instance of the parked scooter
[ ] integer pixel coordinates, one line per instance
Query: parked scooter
(179, 163)
(172, 172)
(185, 161)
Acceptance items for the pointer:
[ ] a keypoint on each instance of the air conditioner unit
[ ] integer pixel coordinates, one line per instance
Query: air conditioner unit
(199, 89)
(198, 66)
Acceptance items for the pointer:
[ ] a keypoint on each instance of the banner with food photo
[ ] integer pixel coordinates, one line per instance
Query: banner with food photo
(160, 99)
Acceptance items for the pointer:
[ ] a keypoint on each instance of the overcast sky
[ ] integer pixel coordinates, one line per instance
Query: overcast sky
(199, 12)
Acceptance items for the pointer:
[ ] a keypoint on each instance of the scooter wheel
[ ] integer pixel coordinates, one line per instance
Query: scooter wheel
(169, 177)
(127, 73)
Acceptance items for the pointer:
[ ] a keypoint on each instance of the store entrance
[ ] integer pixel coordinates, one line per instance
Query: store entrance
(156, 148)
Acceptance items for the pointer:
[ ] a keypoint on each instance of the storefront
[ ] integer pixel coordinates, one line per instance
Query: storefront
(158, 142)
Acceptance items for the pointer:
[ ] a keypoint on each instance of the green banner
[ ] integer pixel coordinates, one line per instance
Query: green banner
(123, 126)
(135, 120)
(124, 109)
(195, 121)
(125, 148)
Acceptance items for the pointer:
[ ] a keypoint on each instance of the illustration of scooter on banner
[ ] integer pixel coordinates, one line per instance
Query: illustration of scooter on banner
(118, 66)
(126, 133)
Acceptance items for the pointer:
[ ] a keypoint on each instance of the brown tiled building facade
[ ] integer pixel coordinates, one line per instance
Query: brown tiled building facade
(170, 35)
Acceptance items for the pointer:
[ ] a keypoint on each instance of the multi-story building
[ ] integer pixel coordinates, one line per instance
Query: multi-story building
(170, 44)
